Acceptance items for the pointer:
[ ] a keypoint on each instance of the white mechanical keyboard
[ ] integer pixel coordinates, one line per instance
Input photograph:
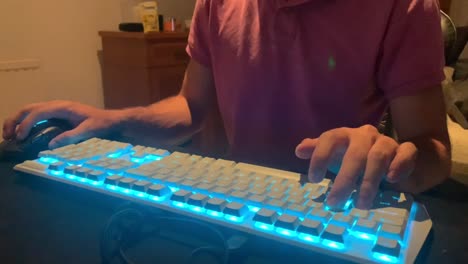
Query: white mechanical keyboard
(257, 200)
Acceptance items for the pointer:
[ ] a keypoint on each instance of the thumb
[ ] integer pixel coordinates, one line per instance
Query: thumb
(305, 149)
(70, 137)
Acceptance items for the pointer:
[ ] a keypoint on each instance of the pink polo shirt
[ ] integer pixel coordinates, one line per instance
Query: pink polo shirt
(286, 70)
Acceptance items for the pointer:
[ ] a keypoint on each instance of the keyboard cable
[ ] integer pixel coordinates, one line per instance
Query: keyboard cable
(124, 229)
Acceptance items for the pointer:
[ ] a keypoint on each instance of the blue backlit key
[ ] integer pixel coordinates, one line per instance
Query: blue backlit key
(181, 196)
(320, 215)
(342, 220)
(71, 169)
(266, 216)
(310, 227)
(286, 221)
(216, 204)
(198, 199)
(389, 247)
(141, 185)
(57, 166)
(126, 182)
(235, 209)
(256, 200)
(392, 231)
(82, 172)
(297, 210)
(158, 190)
(334, 233)
(96, 175)
(366, 226)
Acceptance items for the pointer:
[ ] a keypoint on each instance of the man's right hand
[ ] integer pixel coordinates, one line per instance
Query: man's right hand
(87, 121)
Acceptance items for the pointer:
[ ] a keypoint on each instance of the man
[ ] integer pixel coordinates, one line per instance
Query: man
(301, 83)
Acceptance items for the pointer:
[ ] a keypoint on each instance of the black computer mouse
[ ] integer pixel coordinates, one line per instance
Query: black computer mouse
(37, 140)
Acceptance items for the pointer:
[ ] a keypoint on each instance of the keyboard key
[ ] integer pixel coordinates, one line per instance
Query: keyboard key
(96, 175)
(82, 172)
(266, 216)
(204, 187)
(366, 226)
(141, 185)
(321, 215)
(286, 221)
(359, 213)
(387, 246)
(57, 166)
(297, 210)
(392, 231)
(235, 209)
(389, 219)
(334, 233)
(239, 196)
(181, 196)
(278, 205)
(113, 179)
(71, 169)
(277, 195)
(198, 199)
(310, 227)
(342, 220)
(158, 190)
(216, 204)
(126, 183)
(256, 200)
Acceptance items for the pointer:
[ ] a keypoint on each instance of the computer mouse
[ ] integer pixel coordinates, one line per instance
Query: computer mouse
(37, 140)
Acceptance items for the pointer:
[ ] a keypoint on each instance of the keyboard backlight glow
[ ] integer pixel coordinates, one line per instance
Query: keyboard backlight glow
(82, 179)
(48, 160)
(140, 194)
(174, 189)
(112, 187)
(197, 209)
(157, 198)
(153, 157)
(332, 244)
(41, 122)
(285, 232)
(136, 160)
(115, 155)
(254, 209)
(348, 203)
(179, 204)
(363, 235)
(57, 173)
(309, 238)
(214, 213)
(234, 218)
(95, 183)
(71, 177)
(126, 190)
(384, 257)
(263, 226)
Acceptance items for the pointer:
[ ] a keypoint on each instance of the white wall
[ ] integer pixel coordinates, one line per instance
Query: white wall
(459, 14)
(63, 35)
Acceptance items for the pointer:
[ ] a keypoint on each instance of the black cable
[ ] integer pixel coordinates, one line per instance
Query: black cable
(126, 234)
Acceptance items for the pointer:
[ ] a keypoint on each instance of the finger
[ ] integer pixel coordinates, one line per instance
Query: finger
(32, 119)
(324, 154)
(305, 149)
(9, 126)
(354, 162)
(378, 162)
(404, 163)
(73, 136)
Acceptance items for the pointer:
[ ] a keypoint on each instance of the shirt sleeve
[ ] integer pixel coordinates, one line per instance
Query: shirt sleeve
(411, 58)
(198, 47)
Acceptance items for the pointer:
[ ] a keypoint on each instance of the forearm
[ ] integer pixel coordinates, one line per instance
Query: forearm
(433, 165)
(168, 121)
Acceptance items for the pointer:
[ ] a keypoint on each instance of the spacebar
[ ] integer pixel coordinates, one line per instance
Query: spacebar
(268, 171)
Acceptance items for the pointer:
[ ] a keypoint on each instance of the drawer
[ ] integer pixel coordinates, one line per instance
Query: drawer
(168, 54)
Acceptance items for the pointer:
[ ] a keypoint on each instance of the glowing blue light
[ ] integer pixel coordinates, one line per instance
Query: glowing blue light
(179, 204)
(71, 177)
(140, 194)
(48, 160)
(264, 226)
(114, 155)
(332, 244)
(174, 189)
(57, 173)
(153, 157)
(136, 160)
(285, 232)
(112, 187)
(214, 213)
(96, 183)
(126, 190)
(363, 235)
(234, 218)
(348, 203)
(254, 209)
(158, 198)
(384, 257)
(309, 238)
(41, 122)
(82, 180)
(197, 209)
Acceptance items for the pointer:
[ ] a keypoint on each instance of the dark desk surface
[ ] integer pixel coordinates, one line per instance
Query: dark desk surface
(47, 222)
